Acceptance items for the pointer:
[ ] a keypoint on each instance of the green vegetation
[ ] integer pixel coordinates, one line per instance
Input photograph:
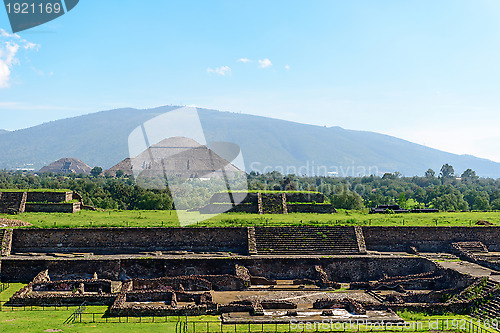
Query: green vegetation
(101, 192)
(446, 192)
(98, 219)
(151, 218)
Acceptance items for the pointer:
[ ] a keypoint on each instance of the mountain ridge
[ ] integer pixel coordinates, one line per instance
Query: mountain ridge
(101, 139)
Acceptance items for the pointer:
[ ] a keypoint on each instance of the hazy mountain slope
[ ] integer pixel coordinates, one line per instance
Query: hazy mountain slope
(2, 131)
(284, 143)
(100, 139)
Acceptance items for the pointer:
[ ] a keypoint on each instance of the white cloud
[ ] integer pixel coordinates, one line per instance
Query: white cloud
(9, 47)
(265, 63)
(223, 70)
(244, 60)
(7, 59)
(287, 67)
(30, 46)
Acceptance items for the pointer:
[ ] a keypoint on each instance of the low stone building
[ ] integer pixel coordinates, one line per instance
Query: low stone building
(14, 202)
(268, 203)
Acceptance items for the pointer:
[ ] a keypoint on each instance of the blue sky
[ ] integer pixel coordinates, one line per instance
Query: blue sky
(425, 71)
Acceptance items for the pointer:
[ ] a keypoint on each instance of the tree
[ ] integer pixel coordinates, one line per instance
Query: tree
(446, 197)
(470, 196)
(481, 203)
(347, 200)
(288, 185)
(402, 200)
(430, 173)
(469, 174)
(120, 173)
(95, 172)
(389, 176)
(495, 204)
(447, 171)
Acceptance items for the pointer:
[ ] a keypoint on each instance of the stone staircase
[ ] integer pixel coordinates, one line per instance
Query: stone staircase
(376, 295)
(12, 202)
(473, 247)
(488, 287)
(308, 240)
(491, 308)
(5, 242)
(271, 203)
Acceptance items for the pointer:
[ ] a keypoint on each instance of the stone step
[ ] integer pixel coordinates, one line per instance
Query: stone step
(306, 240)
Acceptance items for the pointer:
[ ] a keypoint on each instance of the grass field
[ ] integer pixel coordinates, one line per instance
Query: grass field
(115, 218)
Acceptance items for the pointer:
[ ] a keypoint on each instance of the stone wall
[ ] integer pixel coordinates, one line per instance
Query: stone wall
(235, 240)
(24, 270)
(338, 269)
(238, 197)
(309, 197)
(219, 208)
(53, 207)
(428, 239)
(224, 282)
(59, 300)
(12, 202)
(52, 197)
(131, 240)
(310, 208)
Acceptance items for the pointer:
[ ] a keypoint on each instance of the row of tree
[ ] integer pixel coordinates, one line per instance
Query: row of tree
(444, 192)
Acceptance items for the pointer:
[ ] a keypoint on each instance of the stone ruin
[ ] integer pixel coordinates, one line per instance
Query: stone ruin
(268, 203)
(44, 292)
(176, 157)
(67, 165)
(16, 202)
(266, 275)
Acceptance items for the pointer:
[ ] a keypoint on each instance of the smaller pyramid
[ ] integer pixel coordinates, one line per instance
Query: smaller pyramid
(67, 165)
(125, 166)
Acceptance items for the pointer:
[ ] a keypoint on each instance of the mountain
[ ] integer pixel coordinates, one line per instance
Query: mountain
(101, 139)
(2, 131)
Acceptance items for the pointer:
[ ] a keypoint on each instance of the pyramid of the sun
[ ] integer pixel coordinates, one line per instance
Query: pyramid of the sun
(67, 165)
(178, 157)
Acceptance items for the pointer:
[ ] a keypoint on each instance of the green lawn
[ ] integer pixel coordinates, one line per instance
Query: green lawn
(111, 218)
(115, 218)
(353, 218)
(169, 219)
